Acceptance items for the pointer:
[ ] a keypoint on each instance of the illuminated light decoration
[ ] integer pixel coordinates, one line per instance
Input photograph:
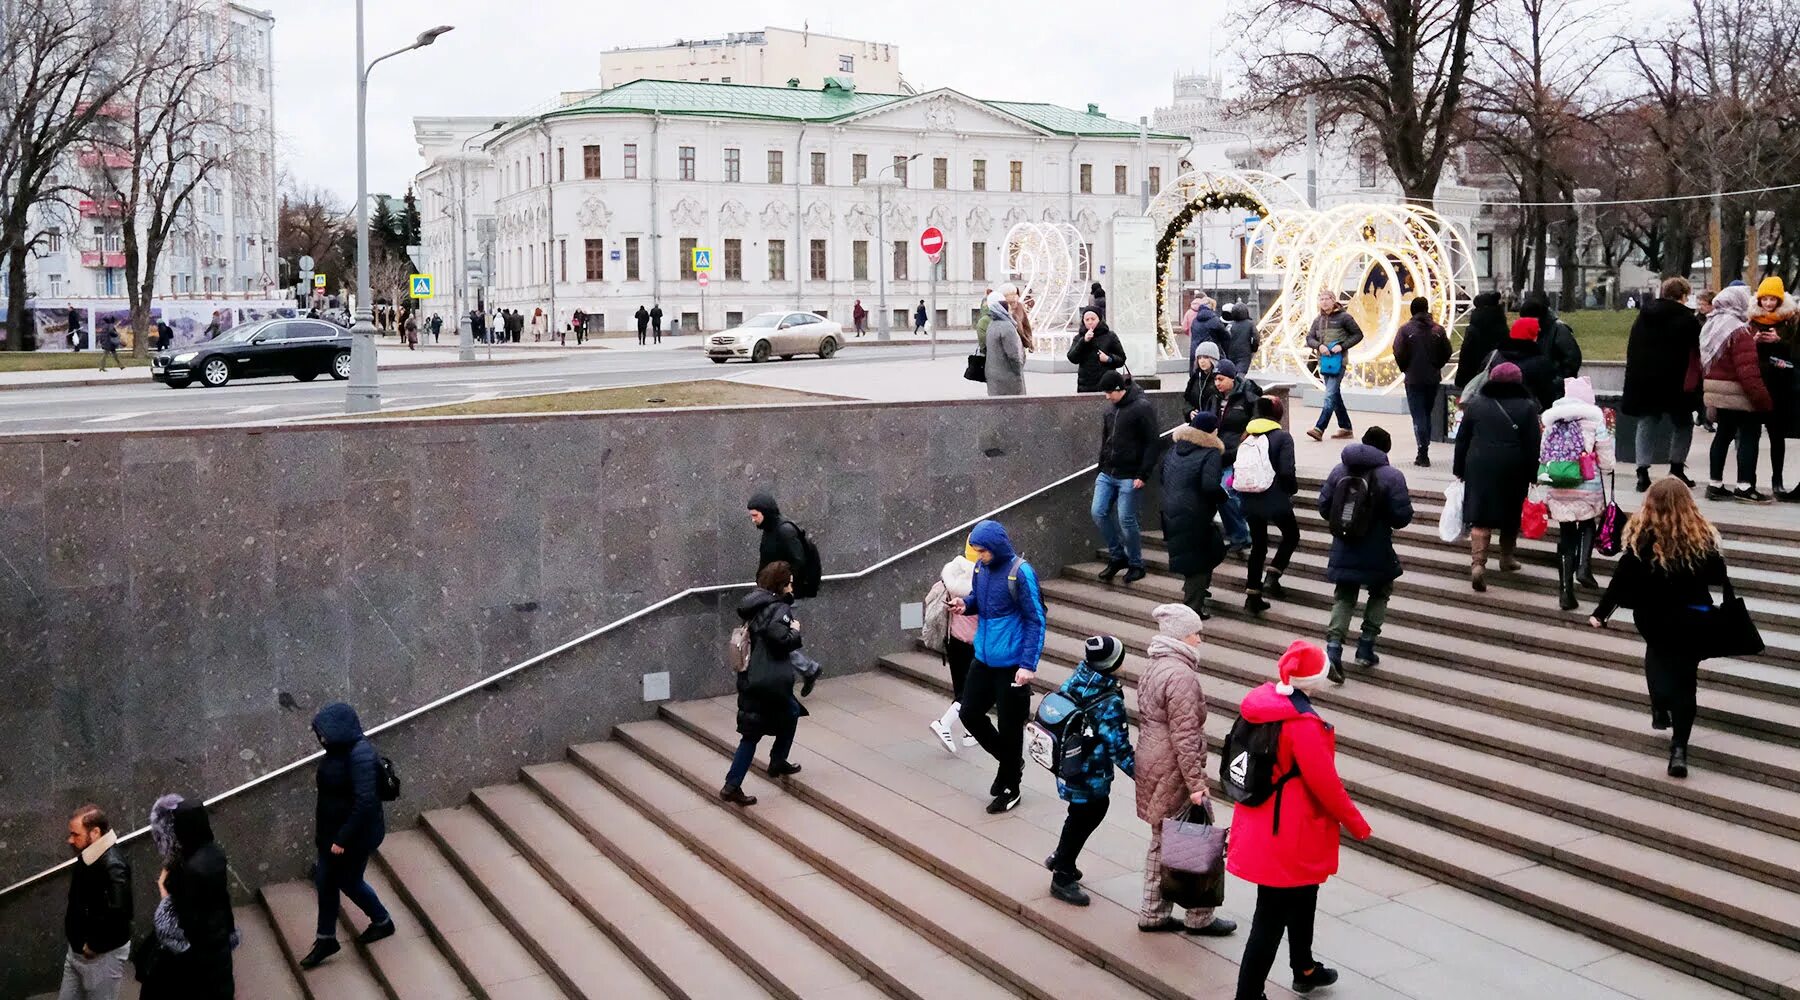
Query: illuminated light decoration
(1173, 210)
(1047, 260)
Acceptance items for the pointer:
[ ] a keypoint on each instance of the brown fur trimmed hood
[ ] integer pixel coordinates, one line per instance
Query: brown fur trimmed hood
(1787, 310)
(1186, 434)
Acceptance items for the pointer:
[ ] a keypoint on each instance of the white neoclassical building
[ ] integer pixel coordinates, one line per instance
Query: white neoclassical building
(598, 204)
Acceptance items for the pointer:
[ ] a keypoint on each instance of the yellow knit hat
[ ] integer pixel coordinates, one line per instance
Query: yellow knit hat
(1771, 285)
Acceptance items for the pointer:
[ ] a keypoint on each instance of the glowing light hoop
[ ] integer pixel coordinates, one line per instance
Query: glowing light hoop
(1047, 261)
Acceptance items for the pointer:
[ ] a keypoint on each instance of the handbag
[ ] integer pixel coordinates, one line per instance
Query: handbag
(1534, 519)
(1331, 364)
(1450, 522)
(1193, 859)
(1721, 631)
(1609, 538)
(976, 369)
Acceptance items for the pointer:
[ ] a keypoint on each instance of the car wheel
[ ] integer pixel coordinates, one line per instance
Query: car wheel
(718, 361)
(216, 372)
(340, 365)
(760, 352)
(827, 347)
(306, 376)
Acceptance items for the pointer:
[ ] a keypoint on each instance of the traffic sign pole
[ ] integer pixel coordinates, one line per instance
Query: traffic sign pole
(934, 325)
(932, 242)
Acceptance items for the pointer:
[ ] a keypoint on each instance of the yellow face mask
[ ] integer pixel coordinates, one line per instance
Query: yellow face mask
(971, 553)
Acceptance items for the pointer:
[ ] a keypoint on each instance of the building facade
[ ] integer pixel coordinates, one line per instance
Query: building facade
(767, 58)
(600, 205)
(227, 249)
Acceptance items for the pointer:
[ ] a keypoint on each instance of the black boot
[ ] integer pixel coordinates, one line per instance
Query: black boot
(1584, 561)
(1423, 461)
(1069, 892)
(1643, 480)
(1272, 585)
(1677, 762)
(1254, 603)
(1113, 568)
(1566, 582)
(1334, 655)
(1680, 472)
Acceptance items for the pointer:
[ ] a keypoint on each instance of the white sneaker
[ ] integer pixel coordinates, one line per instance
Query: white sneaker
(970, 741)
(943, 734)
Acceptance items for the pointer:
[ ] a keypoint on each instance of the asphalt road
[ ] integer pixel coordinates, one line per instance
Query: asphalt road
(148, 404)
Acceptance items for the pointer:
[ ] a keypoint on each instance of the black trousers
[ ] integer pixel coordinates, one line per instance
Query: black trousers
(993, 688)
(959, 655)
(1084, 818)
(1277, 911)
(1674, 679)
(1259, 546)
(1746, 429)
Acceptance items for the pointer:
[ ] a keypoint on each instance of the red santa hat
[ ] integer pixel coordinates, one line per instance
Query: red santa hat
(1302, 662)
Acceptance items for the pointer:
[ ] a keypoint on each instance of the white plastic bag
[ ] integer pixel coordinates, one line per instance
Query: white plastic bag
(1450, 524)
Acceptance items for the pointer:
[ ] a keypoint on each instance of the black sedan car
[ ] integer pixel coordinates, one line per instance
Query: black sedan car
(303, 348)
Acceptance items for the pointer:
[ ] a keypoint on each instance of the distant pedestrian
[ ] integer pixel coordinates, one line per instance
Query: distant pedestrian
(919, 319)
(537, 326)
(1536, 371)
(579, 324)
(1094, 351)
(518, 326)
(1421, 350)
(109, 343)
(1555, 337)
(437, 328)
(1663, 379)
(212, 328)
(1485, 332)
(780, 536)
(195, 932)
(1287, 844)
(1497, 461)
(1666, 575)
(1170, 765)
(165, 336)
(1097, 299)
(1009, 639)
(348, 827)
(1088, 791)
(1193, 490)
(97, 922)
(1236, 398)
(955, 581)
(1736, 396)
(643, 325)
(1005, 350)
(75, 336)
(1266, 481)
(1364, 501)
(1776, 321)
(656, 318)
(1128, 454)
(1206, 328)
(1573, 425)
(409, 331)
(1331, 337)
(982, 318)
(860, 318)
(1242, 340)
(766, 702)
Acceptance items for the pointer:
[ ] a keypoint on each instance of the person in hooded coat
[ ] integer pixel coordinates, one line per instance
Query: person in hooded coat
(766, 702)
(1535, 370)
(1201, 393)
(1577, 509)
(1009, 639)
(1241, 339)
(1497, 461)
(348, 826)
(1736, 396)
(1775, 318)
(1555, 337)
(1005, 349)
(1287, 845)
(1273, 506)
(1192, 493)
(643, 325)
(1206, 328)
(1096, 350)
(780, 538)
(1662, 379)
(1369, 560)
(189, 955)
(1088, 792)
(1483, 336)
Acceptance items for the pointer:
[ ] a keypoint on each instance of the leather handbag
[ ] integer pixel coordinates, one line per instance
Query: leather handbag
(1609, 539)
(976, 369)
(1721, 631)
(1193, 859)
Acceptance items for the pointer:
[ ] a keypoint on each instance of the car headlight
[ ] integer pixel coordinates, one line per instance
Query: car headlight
(182, 359)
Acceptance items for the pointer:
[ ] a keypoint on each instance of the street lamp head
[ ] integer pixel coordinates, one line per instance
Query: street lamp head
(914, 157)
(430, 35)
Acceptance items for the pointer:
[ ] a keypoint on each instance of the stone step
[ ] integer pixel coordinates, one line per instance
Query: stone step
(583, 960)
(1772, 726)
(293, 912)
(1015, 955)
(259, 965)
(1504, 851)
(782, 957)
(881, 799)
(682, 961)
(484, 951)
(409, 964)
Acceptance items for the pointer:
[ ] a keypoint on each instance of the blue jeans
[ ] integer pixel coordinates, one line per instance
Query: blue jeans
(1231, 513)
(1419, 401)
(343, 873)
(1115, 513)
(746, 753)
(1334, 403)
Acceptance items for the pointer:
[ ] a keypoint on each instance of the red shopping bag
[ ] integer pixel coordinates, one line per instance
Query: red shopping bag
(1534, 519)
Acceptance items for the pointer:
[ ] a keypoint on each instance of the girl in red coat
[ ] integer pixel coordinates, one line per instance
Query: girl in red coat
(1288, 845)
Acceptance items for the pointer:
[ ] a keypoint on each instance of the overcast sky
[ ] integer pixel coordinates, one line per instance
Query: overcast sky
(509, 55)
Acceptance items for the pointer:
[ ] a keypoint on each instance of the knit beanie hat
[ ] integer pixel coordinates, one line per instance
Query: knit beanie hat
(1771, 285)
(1506, 371)
(1579, 389)
(1525, 328)
(1205, 420)
(1112, 381)
(1104, 653)
(1379, 439)
(1208, 349)
(1228, 369)
(1177, 621)
(1301, 667)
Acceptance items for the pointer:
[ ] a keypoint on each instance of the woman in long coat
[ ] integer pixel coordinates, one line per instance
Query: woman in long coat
(1005, 351)
(1496, 459)
(766, 702)
(1192, 491)
(188, 956)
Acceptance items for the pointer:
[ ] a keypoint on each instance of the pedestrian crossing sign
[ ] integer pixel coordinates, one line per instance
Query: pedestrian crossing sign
(421, 286)
(703, 258)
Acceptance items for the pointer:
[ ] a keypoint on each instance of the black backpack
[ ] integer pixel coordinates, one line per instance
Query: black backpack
(387, 779)
(808, 574)
(1064, 732)
(1352, 508)
(1247, 765)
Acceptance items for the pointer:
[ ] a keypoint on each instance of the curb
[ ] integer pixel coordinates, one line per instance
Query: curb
(77, 383)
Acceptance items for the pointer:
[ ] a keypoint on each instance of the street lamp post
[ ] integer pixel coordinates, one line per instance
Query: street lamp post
(364, 392)
(881, 247)
(465, 328)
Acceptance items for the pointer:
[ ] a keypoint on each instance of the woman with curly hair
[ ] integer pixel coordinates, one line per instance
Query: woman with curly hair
(1666, 573)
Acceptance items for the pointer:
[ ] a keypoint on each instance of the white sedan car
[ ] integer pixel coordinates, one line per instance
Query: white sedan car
(782, 334)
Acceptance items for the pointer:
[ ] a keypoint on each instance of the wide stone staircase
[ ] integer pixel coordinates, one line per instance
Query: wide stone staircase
(1501, 751)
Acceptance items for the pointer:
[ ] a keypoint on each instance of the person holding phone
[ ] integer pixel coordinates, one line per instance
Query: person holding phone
(1096, 351)
(1009, 639)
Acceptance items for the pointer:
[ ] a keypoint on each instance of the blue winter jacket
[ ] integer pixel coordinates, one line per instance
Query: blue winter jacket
(1114, 748)
(348, 812)
(1008, 633)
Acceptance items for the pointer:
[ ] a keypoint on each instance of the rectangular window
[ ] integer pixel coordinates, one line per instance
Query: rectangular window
(1155, 180)
(687, 257)
(859, 260)
(596, 260)
(900, 259)
(774, 166)
(978, 261)
(687, 163)
(56, 284)
(53, 240)
(562, 260)
(940, 172)
(1120, 183)
(1018, 175)
(818, 260)
(778, 260)
(818, 168)
(630, 162)
(590, 162)
(1087, 178)
(733, 166)
(846, 64)
(561, 174)
(1187, 260)
(859, 167)
(1087, 265)
(544, 167)
(1365, 169)
(900, 165)
(631, 258)
(734, 260)
(978, 177)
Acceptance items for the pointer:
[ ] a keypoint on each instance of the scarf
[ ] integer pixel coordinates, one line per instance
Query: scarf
(1731, 307)
(1163, 645)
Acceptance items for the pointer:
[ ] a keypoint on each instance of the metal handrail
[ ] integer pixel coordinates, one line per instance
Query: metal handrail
(533, 661)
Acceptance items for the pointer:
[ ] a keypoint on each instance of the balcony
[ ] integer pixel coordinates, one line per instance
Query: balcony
(109, 159)
(102, 258)
(91, 209)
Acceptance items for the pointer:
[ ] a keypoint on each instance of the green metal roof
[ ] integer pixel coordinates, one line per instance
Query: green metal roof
(1067, 121)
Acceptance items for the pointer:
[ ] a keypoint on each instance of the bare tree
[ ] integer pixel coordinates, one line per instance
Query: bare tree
(1393, 69)
(313, 223)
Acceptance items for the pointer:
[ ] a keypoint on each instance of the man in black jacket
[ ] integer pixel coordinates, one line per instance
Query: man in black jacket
(348, 825)
(97, 923)
(1421, 350)
(1128, 453)
(780, 538)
